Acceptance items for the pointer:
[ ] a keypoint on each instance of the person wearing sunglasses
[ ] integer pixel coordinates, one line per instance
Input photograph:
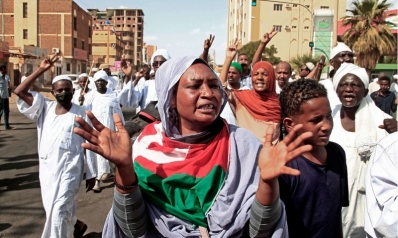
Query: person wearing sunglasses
(305, 70)
(138, 93)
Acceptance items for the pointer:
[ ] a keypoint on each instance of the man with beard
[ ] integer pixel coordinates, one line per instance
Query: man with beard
(283, 72)
(61, 157)
(103, 103)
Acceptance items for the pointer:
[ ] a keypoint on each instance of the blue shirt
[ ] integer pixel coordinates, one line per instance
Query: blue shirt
(314, 198)
(384, 102)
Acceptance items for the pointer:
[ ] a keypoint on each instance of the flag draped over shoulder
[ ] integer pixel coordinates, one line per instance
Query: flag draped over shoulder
(182, 179)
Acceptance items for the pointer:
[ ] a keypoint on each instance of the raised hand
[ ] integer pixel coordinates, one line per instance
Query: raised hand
(48, 62)
(268, 36)
(113, 146)
(272, 160)
(232, 50)
(390, 125)
(208, 42)
(127, 68)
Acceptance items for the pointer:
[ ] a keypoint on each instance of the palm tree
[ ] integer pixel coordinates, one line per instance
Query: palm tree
(301, 60)
(369, 35)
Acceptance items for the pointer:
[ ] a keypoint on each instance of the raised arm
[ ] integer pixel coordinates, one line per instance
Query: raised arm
(206, 47)
(22, 90)
(264, 41)
(229, 57)
(272, 162)
(315, 74)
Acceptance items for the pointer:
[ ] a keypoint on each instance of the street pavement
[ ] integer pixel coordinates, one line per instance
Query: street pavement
(21, 210)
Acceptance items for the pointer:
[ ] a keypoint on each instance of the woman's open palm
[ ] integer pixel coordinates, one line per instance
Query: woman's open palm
(114, 146)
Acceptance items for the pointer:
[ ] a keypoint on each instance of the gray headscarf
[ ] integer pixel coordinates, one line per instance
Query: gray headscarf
(167, 78)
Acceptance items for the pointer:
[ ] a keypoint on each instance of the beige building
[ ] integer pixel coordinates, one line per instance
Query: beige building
(128, 24)
(294, 21)
(101, 52)
(36, 27)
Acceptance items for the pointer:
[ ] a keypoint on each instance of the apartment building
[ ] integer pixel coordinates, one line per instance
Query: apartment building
(126, 23)
(107, 47)
(57, 26)
(299, 22)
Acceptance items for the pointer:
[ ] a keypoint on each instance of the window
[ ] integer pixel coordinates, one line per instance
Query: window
(67, 66)
(75, 23)
(110, 18)
(294, 5)
(25, 10)
(294, 27)
(118, 18)
(129, 18)
(82, 45)
(306, 27)
(324, 7)
(307, 6)
(139, 34)
(139, 19)
(75, 42)
(89, 49)
(89, 32)
(139, 27)
(278, 28)
(277, 7)
(25, 34)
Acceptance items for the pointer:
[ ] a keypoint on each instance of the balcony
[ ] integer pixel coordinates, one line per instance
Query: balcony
(128, 38)
(128, 29)
(128, 56)
(129, 47)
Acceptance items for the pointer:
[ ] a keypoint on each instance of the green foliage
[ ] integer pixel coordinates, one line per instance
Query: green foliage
(369, 34)
(269, 54)
(301, 60)
(390, 59)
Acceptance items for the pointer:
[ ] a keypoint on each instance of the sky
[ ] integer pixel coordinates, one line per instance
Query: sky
(180, 26)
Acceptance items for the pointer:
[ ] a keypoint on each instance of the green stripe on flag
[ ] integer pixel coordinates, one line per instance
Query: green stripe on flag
(182, 195)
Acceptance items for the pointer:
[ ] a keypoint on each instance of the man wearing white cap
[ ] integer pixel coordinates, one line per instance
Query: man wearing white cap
(61, 157)
(92, 84)
(103, 103)
(112, 83)
(305, 70)
(358, 126)
(79, 93)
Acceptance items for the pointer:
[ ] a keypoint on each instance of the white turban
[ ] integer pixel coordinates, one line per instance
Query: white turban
(94, 69)
(348, 68)
(160, 52)
(100, 75)
(395, 76)
(310, 66)
(61, 77)
(83, 75)
(340, 47)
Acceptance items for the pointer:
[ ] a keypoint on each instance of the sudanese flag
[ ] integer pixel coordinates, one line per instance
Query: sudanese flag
(182, 179)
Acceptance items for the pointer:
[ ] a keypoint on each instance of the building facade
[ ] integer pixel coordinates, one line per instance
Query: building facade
(107, 47)
(58, 26)
(298, 22)
(128, 24)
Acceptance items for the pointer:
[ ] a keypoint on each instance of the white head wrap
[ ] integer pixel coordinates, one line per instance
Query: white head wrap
(61, 77)
(395, 76)
(348, 68)
(310, 65)
(340, 47)
(100, 75)
(94, 69)
(83, 75)
(160, 52)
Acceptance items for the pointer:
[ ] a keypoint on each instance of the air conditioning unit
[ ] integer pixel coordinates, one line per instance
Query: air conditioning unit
(287, 27)
(55, 50)
(287, 5)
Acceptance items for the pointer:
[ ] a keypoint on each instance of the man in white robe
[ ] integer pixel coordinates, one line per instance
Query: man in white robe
(83, 83)
(61, 157)
(381, 218)
(113, 84)
(103, 104)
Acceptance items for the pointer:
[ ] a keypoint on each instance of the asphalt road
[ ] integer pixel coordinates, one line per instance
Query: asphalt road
(21, 210)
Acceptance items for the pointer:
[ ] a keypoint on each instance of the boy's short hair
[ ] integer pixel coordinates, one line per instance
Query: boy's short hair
(386, 78)
(3, 67)
(298, 92)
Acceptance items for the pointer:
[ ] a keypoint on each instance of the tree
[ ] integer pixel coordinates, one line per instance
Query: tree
(301, 60)
(369, 34)
(251, 47)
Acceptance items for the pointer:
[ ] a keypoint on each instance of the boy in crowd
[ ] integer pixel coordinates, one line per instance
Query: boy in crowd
(313, 199)
(384, 98)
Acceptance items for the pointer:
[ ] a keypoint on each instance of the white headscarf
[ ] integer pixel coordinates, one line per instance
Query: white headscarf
(161, 52)
(100, 75)
(340, 47)
(167, 78)
(348, 68)
(83, 75)
(61, 77)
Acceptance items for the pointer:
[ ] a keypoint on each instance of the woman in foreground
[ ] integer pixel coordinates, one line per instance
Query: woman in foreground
(193, 174)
